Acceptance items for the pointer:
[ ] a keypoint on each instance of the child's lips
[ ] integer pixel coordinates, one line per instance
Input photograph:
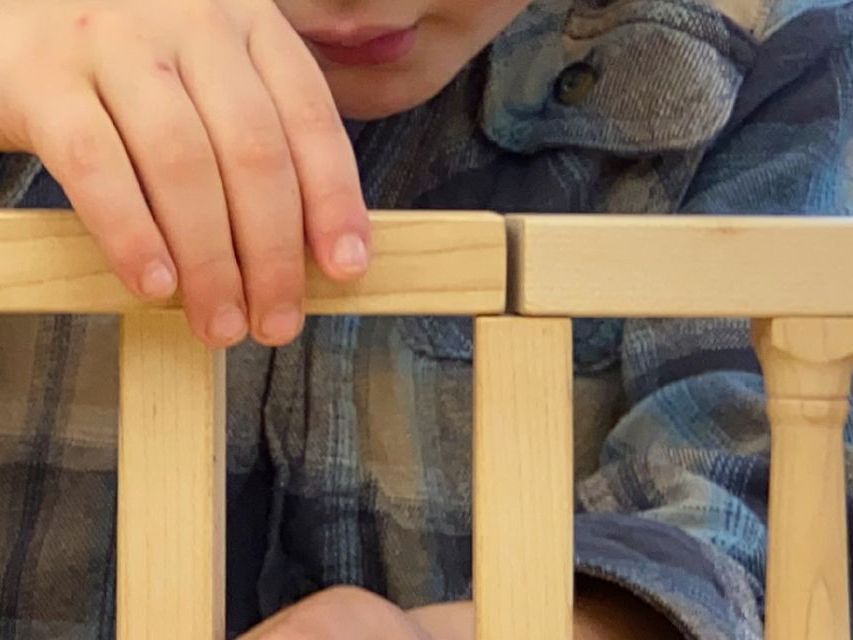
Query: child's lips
(372, 46)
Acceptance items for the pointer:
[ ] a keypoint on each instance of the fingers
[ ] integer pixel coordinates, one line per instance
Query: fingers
(177, 168)
(336, 220)
(260, 181)
(193, 154)
(82, 150)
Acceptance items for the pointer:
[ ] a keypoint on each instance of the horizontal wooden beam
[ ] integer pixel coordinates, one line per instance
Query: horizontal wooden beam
(680, 266)
(440, 263)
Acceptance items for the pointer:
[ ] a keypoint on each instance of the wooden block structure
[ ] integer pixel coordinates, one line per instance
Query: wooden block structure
(789, 274)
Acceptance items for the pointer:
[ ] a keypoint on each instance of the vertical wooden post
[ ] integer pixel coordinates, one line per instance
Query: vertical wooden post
(171, 475)
(807, 368)
(523, 502)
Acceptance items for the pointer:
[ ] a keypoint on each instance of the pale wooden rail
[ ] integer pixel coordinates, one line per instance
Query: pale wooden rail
(171, 488)
(438, 263)
(681, 266)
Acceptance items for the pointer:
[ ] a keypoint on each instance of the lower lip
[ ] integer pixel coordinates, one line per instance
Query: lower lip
(382, 50)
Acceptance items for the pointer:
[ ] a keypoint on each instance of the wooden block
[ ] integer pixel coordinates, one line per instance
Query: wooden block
(423, 263)
(680, 266)
(807, 367)
(523, 501)
(171, 474)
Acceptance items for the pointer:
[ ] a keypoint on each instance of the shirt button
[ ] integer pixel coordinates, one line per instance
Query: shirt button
(574, 83)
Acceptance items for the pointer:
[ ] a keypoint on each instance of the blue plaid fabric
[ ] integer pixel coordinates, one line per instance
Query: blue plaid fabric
(349, 451)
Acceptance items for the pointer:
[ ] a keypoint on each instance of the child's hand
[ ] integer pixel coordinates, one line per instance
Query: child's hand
(341, 613)
(191, 136)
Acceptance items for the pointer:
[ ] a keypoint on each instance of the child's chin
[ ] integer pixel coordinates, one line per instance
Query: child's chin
(382, 99)
(369, 112)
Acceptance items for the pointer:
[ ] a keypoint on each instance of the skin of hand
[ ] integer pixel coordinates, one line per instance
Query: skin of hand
(602, 612)
(199, 143)
(340, 613)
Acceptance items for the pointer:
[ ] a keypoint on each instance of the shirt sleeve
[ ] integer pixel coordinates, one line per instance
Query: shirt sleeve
(677, 511)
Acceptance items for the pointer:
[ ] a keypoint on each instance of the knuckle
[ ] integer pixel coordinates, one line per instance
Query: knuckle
(260, 149)
(214, 277)
(83, 153)
(318, 116)
(205, 268)
(180, 153)
(128, 252)
(274, 270)
(330, 204)
(210, 15)
(129, 248)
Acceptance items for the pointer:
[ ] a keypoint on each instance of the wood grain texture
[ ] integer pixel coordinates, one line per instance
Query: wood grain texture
(423, 263)
(807, 367)
(523, 504)
(680, 266)
(171, 475)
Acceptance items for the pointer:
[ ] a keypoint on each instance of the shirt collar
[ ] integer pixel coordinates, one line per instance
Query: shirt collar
(667, 73)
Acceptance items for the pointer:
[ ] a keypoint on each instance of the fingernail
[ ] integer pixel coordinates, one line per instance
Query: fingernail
(281, 324)
(158, 281)
(228, 324)
(350, 253)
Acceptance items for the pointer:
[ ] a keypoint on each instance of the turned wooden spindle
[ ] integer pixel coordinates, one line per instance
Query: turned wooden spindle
(807, 364)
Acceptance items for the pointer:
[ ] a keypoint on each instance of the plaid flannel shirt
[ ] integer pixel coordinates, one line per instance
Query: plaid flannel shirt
(349, 451)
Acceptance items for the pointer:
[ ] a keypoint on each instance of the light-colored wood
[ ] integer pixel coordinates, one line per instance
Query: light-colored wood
(523, 504)
(807, 367)
(171, 475)
(681, 266)
(423, 263)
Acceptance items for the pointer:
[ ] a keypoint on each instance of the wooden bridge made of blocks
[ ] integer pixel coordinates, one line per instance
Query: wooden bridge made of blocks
(523, 277)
